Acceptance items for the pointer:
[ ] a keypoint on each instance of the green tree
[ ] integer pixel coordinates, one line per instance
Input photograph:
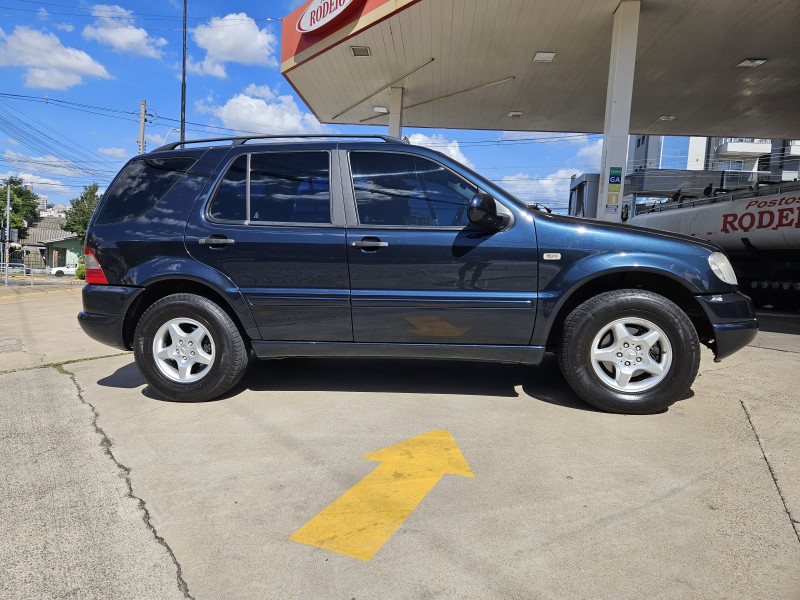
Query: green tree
(24, 204)
(82, 208)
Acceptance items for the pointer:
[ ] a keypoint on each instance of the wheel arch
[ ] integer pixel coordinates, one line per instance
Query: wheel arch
(160, 288)
(654, 281)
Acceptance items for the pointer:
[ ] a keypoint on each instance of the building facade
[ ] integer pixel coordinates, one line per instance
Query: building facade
(780, 158)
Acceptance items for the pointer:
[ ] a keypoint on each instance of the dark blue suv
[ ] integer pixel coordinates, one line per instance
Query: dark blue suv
(202, 252)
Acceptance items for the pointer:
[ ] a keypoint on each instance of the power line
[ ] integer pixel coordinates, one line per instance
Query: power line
(93, 109)
(49, 142)
(74, 157)
(110, 13)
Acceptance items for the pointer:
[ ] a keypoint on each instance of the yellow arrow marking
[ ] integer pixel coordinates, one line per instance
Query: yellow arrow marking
(363, 519)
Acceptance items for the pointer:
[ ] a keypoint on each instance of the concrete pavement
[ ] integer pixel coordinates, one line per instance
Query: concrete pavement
(69, 523)
(38, 326)
(566, 501)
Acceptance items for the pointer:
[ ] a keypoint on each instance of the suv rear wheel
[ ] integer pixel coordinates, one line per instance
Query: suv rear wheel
(629, 351)
(189, 349)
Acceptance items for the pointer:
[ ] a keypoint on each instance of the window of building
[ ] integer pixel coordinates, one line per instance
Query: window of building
(730, 165)
(397, 189)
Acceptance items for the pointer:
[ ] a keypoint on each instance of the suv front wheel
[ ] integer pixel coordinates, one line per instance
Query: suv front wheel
(188, 349)
(629, 351)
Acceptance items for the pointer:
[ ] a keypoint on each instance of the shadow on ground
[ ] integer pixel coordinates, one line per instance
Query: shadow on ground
(543, 382)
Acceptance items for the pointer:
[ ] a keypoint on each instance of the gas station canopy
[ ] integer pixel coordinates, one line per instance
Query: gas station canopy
(472, 64)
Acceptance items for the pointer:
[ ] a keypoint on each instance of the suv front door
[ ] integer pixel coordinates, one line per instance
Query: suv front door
(420, 273)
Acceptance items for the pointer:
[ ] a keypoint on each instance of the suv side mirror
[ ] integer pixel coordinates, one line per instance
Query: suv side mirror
(482, 211)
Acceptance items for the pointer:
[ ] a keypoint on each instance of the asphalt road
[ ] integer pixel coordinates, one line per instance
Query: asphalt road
(111, 492)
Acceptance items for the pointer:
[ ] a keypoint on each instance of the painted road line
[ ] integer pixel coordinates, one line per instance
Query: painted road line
(363, 519)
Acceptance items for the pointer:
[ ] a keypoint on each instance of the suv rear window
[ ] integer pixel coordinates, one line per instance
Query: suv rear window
(139, 187)
(285, 187)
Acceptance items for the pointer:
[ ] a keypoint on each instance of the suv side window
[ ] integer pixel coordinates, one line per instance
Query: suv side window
(230, 201)
(140, 186)
(284, 187)
(292, 187)
(401, 189)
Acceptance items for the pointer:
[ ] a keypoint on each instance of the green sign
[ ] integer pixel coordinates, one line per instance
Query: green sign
(614, 179)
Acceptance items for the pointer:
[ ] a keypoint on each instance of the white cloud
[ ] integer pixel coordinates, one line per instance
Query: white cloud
(269, 115)
(68, 27)
(441, 144)
(206, 67)
(50, 64)
(12, 142)
(46, 186)
(260, 91)
(114, 152)
(590, 155)
(114, 26)
(551, 190)
(234, 38)
(51, 79)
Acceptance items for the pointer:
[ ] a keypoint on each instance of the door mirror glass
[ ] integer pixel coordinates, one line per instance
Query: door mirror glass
(482, 211)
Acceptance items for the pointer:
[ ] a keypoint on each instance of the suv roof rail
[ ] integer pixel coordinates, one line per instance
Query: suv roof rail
(240, 140)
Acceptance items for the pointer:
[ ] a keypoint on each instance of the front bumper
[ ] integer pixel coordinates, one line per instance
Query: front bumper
(733, 321)
(104, 311)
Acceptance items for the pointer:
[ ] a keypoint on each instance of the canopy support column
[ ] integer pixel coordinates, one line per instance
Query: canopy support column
(618, 110)
(396, 112)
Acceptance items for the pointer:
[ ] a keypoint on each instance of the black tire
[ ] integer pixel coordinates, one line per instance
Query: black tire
(216, 338)
(59, 273)
(601, 327)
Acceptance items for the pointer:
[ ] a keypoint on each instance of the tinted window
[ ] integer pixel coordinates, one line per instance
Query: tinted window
(229, 202)
(290, 187)
(140, 185)
(401, 189)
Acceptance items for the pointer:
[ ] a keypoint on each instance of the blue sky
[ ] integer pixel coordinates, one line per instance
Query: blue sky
(73, 74)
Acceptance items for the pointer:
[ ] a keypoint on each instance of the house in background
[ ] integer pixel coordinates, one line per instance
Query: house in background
(63, 251)
(35, 252)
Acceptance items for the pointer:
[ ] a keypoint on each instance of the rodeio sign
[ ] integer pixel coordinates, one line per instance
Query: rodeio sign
(321, 13)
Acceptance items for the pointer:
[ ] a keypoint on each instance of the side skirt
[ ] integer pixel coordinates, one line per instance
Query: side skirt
(529, 355)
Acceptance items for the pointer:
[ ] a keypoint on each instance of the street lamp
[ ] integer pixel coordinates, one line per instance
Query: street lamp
(171, 129)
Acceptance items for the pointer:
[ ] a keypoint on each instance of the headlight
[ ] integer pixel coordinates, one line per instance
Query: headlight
(722, 268)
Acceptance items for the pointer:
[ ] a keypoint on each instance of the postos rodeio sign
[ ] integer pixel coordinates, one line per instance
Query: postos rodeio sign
(321, 13)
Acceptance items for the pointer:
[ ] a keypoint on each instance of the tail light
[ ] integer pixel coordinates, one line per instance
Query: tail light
(94, 272)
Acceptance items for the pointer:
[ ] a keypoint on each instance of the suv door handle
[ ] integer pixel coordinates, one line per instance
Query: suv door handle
(369, 243)
(216, 241)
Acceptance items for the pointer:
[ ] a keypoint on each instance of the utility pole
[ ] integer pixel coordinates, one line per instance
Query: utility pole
(142, 112)
(8, 226)
(183, 78)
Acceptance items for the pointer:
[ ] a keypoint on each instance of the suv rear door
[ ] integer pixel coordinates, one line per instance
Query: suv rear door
(419, 272)
(274, 225)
